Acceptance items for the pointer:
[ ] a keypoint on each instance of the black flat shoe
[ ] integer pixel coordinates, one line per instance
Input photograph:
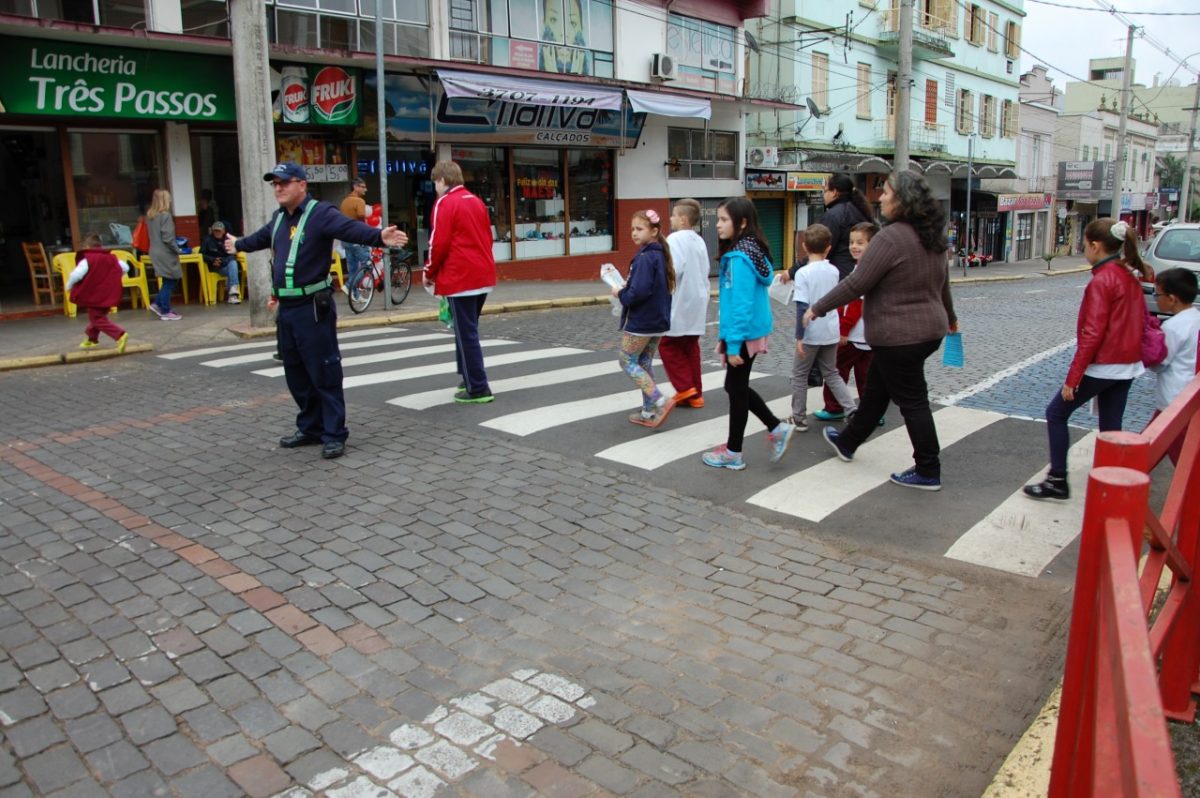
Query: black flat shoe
(333, 449)
(298, 439)
(1049, 490)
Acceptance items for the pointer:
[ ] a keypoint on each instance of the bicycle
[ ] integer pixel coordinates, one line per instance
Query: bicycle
(368, 279)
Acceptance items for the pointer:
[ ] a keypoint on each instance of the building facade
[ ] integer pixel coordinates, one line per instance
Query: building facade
(102, 105)
(837, 63)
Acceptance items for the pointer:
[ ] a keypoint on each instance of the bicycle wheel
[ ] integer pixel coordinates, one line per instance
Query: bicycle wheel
(362, 288)
(401, 281)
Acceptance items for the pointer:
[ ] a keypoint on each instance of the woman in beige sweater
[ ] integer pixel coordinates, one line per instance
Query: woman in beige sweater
(907, 310)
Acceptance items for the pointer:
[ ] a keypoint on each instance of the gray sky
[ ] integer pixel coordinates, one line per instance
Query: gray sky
(1067, 38)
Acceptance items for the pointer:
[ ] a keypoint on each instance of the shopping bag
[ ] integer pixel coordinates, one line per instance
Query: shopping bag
(613, 279)
(780, 291)
(141, 235)
(952, 351)
(444, 312)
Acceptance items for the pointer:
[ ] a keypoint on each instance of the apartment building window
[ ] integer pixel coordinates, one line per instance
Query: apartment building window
(963, 114)
(864, 91)
(1108, 152)
(701, 153)
(931, 102)
(1012, 40)
(115, 13)
(987, 115)
(993, 27)
(975, 24)
(341, 25)
(940, 15)
(703, 50)
(1008, 121)
(563, 36)
(820, 80)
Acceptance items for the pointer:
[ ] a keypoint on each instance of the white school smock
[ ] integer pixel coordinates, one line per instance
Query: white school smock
(1179, 368)
(813, 281)
(689, 303)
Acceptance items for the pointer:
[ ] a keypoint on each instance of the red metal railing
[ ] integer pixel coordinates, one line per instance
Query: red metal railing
(1122, 680)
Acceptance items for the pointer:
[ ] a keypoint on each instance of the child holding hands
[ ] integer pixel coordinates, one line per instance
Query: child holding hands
(646, 313)
(100, 291)
(853, 353)
(816, 342)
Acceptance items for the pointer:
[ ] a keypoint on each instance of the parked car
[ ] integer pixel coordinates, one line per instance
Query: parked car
(1176, 245)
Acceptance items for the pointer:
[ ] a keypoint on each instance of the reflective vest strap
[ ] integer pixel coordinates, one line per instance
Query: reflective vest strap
(297, 238)
(307, 290)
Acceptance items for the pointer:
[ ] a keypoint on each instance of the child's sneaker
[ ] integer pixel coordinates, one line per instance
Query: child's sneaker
(721, 457)
(88, 343)
(1051, 488)
(826, 415)
(778, 440)
(695, 401)
(911, 479)
(156, 310)
(831, 436)
(124, 339)
(800, 423)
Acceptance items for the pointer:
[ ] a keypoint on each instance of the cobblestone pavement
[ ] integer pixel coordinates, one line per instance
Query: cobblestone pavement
(187, 610)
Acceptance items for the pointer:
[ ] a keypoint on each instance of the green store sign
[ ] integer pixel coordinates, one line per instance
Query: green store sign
(52, 78)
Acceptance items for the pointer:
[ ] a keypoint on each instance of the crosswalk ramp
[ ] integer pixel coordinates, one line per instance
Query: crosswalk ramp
(574, 400)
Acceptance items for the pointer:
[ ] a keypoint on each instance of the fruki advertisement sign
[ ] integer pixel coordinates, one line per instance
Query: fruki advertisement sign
(315, 95)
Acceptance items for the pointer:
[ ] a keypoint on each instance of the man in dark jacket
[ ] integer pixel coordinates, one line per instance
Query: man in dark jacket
(212, 249)
(300, 236)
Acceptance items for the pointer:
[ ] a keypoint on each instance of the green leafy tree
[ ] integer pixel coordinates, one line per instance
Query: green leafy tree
(1170, 174)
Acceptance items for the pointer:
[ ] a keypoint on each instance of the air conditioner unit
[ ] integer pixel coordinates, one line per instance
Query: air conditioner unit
(662, 67)
(763, 156)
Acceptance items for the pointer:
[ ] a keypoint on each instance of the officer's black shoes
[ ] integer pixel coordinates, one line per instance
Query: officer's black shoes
(298, 438)
(333, 449)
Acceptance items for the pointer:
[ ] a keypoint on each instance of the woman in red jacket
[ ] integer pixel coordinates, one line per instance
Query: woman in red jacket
(1108, 351)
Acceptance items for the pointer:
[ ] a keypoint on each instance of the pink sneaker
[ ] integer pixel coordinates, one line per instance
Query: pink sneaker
(170, 316)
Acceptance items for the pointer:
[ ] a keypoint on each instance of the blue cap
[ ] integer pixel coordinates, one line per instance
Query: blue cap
(288, 170)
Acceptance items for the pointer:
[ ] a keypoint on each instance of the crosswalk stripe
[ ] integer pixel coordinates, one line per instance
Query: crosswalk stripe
(527, 422)
(241, 360)
(217, 350)
(398, 354)
(1023, 536)
(428, 399)
(654, 451)
(449, 367)
(819, 490)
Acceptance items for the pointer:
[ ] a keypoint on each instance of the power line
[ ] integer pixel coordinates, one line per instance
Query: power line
(1115, 11)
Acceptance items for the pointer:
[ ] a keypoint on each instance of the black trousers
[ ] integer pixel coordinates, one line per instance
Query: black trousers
(744, 400)
(897, 374)
(312, 366)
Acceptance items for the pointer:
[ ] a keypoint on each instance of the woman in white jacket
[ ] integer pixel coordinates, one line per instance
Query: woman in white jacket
(680, 346)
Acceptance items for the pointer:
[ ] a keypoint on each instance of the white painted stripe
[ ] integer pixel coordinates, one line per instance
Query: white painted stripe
(996, 378)
(528, 422)
(442, 396)
(1022, 535)
(399, 354)
(654, 451)
(449, 367)
(217, 350)
(818, 491)
(239, 360)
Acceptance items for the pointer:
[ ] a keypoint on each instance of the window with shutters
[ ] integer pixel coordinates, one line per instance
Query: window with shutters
(975, 24)
(864, 91)
(1008, 120)
(820, 80)
(993, 31)
(1012, 40)
(931, 102)
(964, 113)
(987, 115)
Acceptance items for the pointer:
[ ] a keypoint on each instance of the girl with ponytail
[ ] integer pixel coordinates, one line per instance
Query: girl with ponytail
(1108, 352)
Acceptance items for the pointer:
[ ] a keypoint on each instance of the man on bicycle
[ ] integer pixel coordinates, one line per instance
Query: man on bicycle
(355, 207)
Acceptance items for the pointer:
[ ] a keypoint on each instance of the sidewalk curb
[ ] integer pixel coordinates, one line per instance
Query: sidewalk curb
(66, 358)
(1025, 772)
(1001, 278)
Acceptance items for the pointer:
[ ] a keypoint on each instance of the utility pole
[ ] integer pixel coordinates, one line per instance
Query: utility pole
(1185, 204)
(967, 226)
(1119, 166)
(381, 126)
(904, 86)
(256, 138)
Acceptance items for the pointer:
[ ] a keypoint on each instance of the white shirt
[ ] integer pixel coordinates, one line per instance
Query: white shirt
(1179, 368)
(689, 303)
(813, 281)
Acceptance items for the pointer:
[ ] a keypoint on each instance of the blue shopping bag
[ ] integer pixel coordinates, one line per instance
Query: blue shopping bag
(952, 351)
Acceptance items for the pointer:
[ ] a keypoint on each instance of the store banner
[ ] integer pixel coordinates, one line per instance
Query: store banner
(807, 181)
(43, 77)
(650, 102)
(1023, 202)
(528, 91)
(314, 95)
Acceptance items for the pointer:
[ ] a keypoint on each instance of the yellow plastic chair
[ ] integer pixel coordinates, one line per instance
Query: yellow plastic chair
(336, 268)
(64, 264)
(212, 280)
(138, 285)
(183, 283)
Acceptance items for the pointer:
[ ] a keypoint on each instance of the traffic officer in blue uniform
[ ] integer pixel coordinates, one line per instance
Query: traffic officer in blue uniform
(300, 236)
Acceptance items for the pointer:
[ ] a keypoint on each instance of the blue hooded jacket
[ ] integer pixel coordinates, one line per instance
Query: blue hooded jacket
(645, 298)
(745, 310)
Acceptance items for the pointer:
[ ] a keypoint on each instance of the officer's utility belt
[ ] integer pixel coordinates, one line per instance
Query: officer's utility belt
(307, 290)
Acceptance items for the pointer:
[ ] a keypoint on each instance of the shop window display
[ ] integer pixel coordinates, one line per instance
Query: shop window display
(540, 203)
(114, 174)
(591, 208)
(485, 172)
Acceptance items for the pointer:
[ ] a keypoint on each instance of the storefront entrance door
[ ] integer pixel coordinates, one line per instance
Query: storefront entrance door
(33, 205)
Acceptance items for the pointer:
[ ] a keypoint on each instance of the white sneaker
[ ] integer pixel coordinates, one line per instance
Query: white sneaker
(234, 298)
(346, 288)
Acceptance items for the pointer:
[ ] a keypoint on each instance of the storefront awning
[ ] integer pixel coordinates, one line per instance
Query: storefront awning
(651, 102)
(529, 91)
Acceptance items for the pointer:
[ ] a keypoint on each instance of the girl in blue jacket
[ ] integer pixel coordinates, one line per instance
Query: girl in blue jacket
(745, 325)
(646, 313)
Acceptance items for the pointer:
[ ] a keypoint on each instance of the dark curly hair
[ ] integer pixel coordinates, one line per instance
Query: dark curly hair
(915, 204)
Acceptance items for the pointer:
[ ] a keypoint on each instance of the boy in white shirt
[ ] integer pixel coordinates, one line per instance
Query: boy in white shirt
(679, 347)
(818, 342)
(1174, 292)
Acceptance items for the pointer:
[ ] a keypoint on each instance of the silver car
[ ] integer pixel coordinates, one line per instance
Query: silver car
(1175, 246)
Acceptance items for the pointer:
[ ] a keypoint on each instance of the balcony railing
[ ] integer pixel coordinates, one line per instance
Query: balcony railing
(922, 136)
(931, 35)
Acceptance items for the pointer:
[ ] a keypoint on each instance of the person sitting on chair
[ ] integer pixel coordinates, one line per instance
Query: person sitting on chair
(215, 257)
